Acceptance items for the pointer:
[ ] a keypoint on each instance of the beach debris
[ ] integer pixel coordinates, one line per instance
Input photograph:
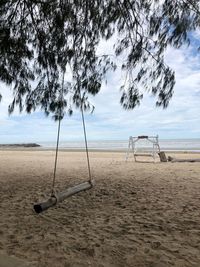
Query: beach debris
(171, 159)
(162, 156)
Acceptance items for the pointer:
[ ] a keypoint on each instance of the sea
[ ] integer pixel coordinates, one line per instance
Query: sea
(182, 145)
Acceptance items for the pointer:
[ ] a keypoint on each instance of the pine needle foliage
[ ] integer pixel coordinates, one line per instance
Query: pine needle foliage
(48, 49)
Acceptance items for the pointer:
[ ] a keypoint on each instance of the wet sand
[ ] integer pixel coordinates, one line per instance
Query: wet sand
(138, 214)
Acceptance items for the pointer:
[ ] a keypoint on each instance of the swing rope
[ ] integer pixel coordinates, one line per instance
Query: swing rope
(86, 144)
(56, 159)
(58, 137)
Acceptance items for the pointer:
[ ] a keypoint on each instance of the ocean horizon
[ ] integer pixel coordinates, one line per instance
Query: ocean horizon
(190, 145)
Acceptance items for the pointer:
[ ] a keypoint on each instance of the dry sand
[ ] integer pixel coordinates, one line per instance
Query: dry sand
(138, 214)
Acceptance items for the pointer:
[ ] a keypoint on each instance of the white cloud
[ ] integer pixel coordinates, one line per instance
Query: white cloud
(109, 120)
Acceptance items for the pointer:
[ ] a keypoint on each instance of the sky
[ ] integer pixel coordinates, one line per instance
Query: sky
(109, 121)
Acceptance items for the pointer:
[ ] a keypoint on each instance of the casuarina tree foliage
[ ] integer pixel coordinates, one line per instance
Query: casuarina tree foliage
(49, 49)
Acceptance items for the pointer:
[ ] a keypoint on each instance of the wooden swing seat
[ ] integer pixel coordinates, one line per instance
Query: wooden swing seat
(60, 196)
(143, 155)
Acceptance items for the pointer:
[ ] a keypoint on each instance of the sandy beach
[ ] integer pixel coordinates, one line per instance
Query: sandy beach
(138, 214)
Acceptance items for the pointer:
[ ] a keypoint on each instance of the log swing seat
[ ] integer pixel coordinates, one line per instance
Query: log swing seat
(60, 196)
(57, 197)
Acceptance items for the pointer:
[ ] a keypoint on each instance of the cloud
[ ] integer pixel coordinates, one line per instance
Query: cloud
(181, 119)
(109, 120)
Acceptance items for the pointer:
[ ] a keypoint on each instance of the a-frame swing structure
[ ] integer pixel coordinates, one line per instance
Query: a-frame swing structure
(136, 140)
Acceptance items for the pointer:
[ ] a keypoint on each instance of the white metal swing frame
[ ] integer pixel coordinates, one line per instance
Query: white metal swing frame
(134, 151)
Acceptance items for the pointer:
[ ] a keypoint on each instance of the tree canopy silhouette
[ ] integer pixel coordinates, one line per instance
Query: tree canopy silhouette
(49, 49)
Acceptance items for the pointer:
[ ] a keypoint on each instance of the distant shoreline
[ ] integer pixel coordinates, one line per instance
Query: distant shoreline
(40, 148)
(120, 146)
(19, 145)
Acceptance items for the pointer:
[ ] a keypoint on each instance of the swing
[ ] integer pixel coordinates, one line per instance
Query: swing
(60, 196)
(153, 140)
